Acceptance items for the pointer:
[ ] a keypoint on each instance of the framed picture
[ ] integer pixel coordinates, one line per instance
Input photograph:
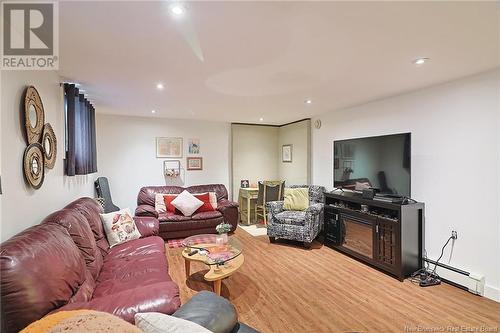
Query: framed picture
(348, 151)
(286, 153)
(244, 183)
(172, 168)
(168, 147)
(195, 163)
(194, 146)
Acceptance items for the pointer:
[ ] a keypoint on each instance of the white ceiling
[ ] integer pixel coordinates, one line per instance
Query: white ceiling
(239, 61)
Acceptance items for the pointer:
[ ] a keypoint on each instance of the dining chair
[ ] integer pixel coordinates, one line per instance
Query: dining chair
(269, 190)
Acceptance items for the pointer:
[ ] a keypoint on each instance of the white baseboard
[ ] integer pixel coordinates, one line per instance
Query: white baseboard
(492, 293)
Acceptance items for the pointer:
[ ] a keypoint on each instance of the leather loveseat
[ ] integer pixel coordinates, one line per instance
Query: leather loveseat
(65, 263)
(178, 226)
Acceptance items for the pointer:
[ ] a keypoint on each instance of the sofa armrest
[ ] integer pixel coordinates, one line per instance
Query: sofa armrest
(275, 207)
(230, 212)
(146, 210)
(159, 297)
(147, 226)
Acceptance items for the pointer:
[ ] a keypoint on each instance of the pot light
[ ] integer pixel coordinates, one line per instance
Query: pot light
(420, 61)
(153, 111)
(160, 86)
(261, 119)
(177, 10)
(308, 101)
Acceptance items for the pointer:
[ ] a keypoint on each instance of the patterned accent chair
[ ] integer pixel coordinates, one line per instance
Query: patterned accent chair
(302, 226)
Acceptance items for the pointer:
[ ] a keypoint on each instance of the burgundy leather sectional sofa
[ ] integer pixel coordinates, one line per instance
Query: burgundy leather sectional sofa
(65, 263)
(178, 226)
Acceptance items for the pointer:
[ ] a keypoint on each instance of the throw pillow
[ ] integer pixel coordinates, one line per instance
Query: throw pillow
(163, 206)
(187, 203)
(296, 199)
(119, 227)
(207, 206)
(153, 322)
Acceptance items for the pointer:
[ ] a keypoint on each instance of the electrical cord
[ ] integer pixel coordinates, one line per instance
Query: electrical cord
(424, 276)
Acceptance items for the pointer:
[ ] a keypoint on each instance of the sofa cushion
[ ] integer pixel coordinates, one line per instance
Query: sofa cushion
(44, 256)
(170, 217)
(291, 217)
(142, 246)
(207, 215)
(82, 235)
(207, 206)
(296, 199)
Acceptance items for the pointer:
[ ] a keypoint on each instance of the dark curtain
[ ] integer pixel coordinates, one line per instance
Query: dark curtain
(81, 153)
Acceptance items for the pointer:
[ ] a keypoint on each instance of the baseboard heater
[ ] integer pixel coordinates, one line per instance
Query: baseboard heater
(471, 282)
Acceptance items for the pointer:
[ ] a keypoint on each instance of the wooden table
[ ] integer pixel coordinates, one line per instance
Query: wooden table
(216, 273)
(245, 198)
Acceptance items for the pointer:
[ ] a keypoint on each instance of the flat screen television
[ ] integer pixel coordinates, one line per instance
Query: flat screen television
(382, 162)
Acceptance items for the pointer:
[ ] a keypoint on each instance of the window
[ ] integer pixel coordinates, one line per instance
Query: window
(81, 153)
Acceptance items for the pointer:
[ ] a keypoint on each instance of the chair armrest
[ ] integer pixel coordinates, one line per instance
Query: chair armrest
(146, 210)
(275, 207)
(213, 312)
(147, 226)
(230, 212)
(315, 208)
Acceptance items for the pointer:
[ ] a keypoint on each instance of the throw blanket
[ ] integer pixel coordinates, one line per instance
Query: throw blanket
(80, 321)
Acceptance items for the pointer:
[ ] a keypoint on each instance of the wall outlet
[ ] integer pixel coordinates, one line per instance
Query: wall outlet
(454, 234)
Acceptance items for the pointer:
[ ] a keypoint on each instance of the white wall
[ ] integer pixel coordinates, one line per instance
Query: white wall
(299, 136)
(254, 154)
(21, 205)
(126, 151)
(455, 163)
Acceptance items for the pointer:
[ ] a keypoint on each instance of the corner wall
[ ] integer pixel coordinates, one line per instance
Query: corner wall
(455, 163)
(23, 206)
(126, 148)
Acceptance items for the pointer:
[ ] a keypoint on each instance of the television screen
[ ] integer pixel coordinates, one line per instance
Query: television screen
(382, 162)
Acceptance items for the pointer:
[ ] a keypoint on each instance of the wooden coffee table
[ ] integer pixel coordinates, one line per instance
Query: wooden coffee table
(222, 259)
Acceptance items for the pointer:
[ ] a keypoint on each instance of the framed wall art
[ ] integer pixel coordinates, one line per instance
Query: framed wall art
(195, 163)
(286, 153)
(194, 146)
(168, 147)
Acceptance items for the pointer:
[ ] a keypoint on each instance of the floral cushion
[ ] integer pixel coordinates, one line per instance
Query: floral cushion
(119, 227)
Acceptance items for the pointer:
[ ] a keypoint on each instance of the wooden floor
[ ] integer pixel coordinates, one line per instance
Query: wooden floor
(285, 288)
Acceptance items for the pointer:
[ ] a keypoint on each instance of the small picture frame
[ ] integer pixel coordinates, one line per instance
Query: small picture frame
(286, 153)
(168, 147)
(194, 146)
(172, 168)
(194, 163)
(244, 183)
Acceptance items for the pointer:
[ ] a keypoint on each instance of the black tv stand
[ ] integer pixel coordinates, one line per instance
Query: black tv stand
(386, 235)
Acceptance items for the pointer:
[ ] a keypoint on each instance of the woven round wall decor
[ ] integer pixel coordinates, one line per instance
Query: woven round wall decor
(49, 143)
(34, 115)
(33, 165)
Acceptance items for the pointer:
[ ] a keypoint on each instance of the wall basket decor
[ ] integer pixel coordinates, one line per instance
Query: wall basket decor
(33, 165)
(34, 115)
(49, 143)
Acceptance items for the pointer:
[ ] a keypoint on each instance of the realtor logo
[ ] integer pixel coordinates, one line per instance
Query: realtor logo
(29, 35)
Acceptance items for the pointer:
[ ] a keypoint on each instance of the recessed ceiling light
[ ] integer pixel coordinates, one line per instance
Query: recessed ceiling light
(420, 61)
(177, 10)
(153, 111)
(160, 86)
(308, 101)
(261, 119)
